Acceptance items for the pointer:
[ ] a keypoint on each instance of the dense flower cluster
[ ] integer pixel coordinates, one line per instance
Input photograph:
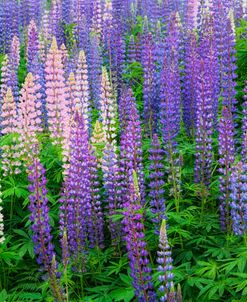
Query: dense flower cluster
(133, 103)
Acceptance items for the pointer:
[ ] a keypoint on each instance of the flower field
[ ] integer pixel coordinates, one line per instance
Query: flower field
(123, 150)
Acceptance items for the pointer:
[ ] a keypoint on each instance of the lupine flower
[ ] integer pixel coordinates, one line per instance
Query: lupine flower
(82, 88)
(113, 192)
(131, 145)
(30, 10)
(57, 111)
(1, 219)
(244, 127)
(71, 95)
(35, 65)
(207, 96)
(97, 214)
(9, 23)
(226, 160)
(95, 70)
(98, 142)
(97, 19)
(238, 204)
(5, 79)
(76, 205)
(156, 193)
(40, 224)
(29, 115)
(190, 14)
(66, 13)
(55, 17)
(108, 108)
(14, 60)
(190, 83)
(81, 29)
(165, 267)
(11, 152)
(136, 245)
(229, 67)
(150, 117)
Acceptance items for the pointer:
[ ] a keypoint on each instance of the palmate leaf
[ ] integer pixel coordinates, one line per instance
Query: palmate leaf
(208, 269)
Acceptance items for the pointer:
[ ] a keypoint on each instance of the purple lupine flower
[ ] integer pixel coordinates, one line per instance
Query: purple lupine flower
(229, 68)
(156, 185)
(206, 105)
(40, 224)
(149, 84)
(208, 51)
(165, 267)
(30, 10)
(36, 66)
(226, 160)
(204, 127)
(39, 209)
(238, 8)
(14, 61)
(131, 143)
(95, 69)
(55, 18)
(244, 127)
(5, 79)
(190, 83)
(66, 11)
(9, 23)
(97, 18)
(81, 29)
(113, 191)
(76, 204)
(97, 214)
(135, 243)
(238, 204)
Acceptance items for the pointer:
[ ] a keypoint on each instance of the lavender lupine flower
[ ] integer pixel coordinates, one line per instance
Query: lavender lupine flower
(229, 67)
(76, 205)
(1, 219)
(150, 117)
(30, 10)
(238, 8)
(66, 11)
(238, 204)
(14, 61)
(113, 192)
(206, 105)
(9, 23)
(81, 30)
(40, 224)
(156, 185)
(208, 51)
(131, 144)
(165, 267)
(97, 214)
(39, 209)
(190, 83)
(136, 245)
(95, 69)
(108, 108)
(82, 88)
(55, 25)
(226, 160)
(244, 127)
(97, 19)
(36, 66)
(170, 123)
(190, 14)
